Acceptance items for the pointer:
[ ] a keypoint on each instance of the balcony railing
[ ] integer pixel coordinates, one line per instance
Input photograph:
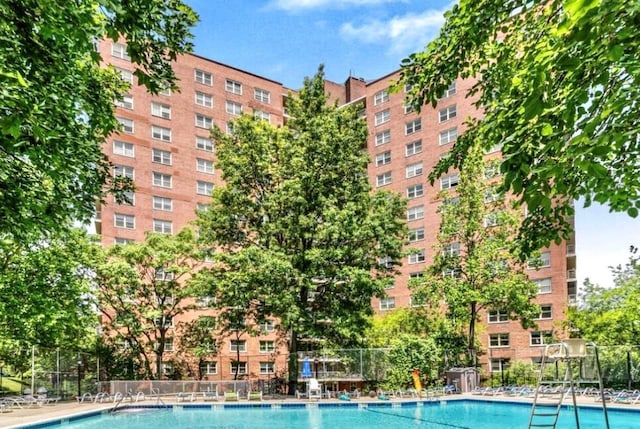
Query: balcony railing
(571, 275)
(571, 249)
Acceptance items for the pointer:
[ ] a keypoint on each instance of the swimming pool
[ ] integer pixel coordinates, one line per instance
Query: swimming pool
(455, 414)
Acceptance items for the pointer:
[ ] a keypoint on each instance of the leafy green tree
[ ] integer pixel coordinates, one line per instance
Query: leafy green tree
(556, 82)
(44, 291)
(474, 268)
(141, 289)
(301, 235)
(611, 316)
(199, 339)
(57, 99)
(409, 352)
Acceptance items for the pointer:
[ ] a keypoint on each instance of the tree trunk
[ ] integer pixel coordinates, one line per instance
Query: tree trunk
(293, 363)
(471, 339)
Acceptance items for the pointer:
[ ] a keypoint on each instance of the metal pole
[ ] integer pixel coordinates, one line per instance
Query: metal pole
(33, 369)
(58, 372)
(79, 384)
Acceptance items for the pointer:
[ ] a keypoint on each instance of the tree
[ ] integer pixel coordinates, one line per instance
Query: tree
(301, 236)
(44, 291)
(474, 268)
(199, 338)
(142, 289)
(611, 316)
(58, 101)
(556, 82)
(410, 352)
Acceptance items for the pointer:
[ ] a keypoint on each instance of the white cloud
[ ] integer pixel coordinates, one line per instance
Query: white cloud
(403, 34)
(297, 5)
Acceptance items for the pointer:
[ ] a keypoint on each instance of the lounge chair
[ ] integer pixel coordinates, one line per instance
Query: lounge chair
(186, 396)
(254, 396)
(231, 396)
(313, 388)
(211, 395)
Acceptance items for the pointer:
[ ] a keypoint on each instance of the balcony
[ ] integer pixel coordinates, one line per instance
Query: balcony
(571, 249)
(572, 300)
(571, 275)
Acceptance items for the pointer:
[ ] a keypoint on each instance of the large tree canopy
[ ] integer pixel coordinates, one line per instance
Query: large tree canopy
(57, 101)
(558, 82)
(299, 233)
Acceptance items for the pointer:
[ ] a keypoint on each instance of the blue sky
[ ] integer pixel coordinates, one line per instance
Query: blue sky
(286, 40)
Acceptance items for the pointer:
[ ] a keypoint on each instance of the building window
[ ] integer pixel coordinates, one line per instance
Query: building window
(239, 368)
(119, 50)
(415, 191)
(162, 226)
(162, 180)
(544, 285)
(498, 316)
(123, 148)
(448, 136)
(413, 148)
(233, 87)
(413, 126)
(414, 170)
(499, 365)
(540, 338)
(383, 137)
(238, 346)
(417, 275)
(447, 113)
(267, 326)
(168, 344)
(451, 250)
(452, 272)
(416, 234)
(209, 368)
(204, 144)
(543, 261)
(203, 121)
(203, 99)
(262, 95)
(126, 75)
(167, 369)
(124, 221)
(498, 340)
(414, 213)
(267, 346)
(492, 195)
(204, 188)
(492, 169)
(380, 97)
(545, 311)
(162, 203)
(123, 241)
(388, 303)
(161, 156)
(449, 91)
(123, 171)
(382, 117)
(233, 108)
(204, 166)
(267, 368)
(126, 125)
(126, 102)
(491, 219)
(203, 77)
(160, 133)
(161, 110)
(449, 182)
(416, 301)
(383, 179)
(408, 109)
(262, 115)
(383, 158)
(166, 91)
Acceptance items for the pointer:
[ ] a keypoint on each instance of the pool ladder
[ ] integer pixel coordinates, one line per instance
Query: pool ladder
(551, 391)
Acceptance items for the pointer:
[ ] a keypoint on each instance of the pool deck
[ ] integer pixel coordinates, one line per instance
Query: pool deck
(18, 417)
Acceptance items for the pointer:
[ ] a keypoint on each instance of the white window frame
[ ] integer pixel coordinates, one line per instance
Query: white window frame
(242, 367)
(203, 121)
(124, 149)
(160, 110)
(414, 170)
(546, 312)
(205, 144)
(499, 340)
(451, 90)
(382, 117)
(162, 180)
(204, 188)
(233, 86)
(412, 127)
(267, 326)
(381, 97)
(383, 137)
(540, 338)
(126, 102)
(209, 367)
(383, 158)
(497, 316)
(238, 345)
(127, 75)
(204, 166)
(417, 258)
(159, 156)
(119, 50)
(413, 148)
(161, 133)
(164, 204)
(415, 191)
(383, 179)
(203, 99)
(545, 285)
(262, 95)
(162, 226)
(169, 345)
(450, 181)
(126, 125)
(267, 346)
(267, 368)
(416, 234)
(448, 136)
(261, 115)
(447, 113)
(232, 107)
(124, 171)
(451, 250)
(203, 77)
(124, 221)
(388, 303)
(544, 259)
(415, 213)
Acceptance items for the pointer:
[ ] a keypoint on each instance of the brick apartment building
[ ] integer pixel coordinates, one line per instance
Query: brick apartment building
(166, 149)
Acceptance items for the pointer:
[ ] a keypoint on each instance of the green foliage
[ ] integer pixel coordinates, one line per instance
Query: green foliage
(141, 289)
(57, 101)
(384, 328)
(44, 291)
(299, 231)
(198, 338)
(611, 316)
(409, 352)
(474, 268)
(557, 81)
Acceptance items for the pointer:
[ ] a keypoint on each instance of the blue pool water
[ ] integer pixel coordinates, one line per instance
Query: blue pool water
(435, 415)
